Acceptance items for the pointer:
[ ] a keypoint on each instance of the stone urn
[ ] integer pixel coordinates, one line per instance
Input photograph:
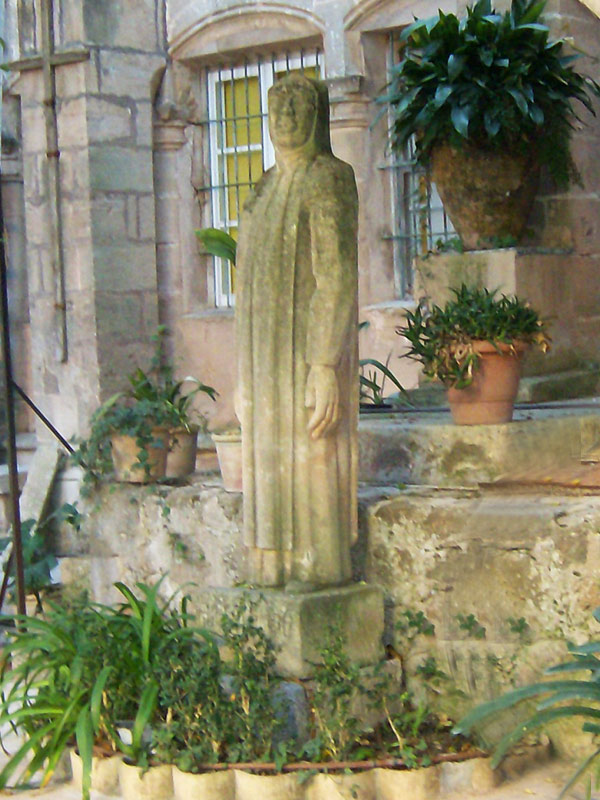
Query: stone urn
(126, 457)
(490, 398)
(181, 458)
(487, 194)
(229, 452)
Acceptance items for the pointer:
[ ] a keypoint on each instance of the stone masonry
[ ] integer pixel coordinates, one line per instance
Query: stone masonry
(104, 109)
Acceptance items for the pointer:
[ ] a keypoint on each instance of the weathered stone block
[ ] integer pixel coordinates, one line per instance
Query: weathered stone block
(128, 74)
(109, 219)
(299, 624)
(125, 266)
(438, 453)
(109, 120)
(120, 169)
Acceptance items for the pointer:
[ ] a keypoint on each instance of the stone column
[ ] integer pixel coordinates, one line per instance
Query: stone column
(104, 110)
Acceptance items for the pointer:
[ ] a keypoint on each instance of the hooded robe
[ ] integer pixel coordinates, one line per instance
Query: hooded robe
(296, 306)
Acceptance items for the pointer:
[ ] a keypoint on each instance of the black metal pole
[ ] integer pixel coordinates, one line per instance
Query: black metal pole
(11, 439)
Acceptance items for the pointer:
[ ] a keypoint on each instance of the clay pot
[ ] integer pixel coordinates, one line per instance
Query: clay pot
(487, 194)
(181, 458)
(105, 772)
(204, 786)
(125, 451)
(155, 783)
(229, 453)
(490, 398)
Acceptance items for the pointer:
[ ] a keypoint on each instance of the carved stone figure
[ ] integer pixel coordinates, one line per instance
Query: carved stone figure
(296, 329)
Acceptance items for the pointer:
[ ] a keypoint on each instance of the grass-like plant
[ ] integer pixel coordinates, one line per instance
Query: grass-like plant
(70, 677)
(442, 339)
(498, 81)
(561, 699)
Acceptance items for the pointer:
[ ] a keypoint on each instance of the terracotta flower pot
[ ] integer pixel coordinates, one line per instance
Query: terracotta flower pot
(125, 451)
(486, 193)
(155, 783)
(181, 458)
(490, 398)
(105, 772)
(229, 453)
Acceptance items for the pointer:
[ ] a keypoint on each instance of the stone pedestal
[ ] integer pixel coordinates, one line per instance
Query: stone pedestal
(300, 624)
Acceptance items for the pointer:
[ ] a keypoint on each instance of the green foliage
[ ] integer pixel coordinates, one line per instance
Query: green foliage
(412, 623)
(519, 626)
(219, 707)
(471, 625)
(562, 699)
(371, 390)
(38, 561)
(442, 339)
(154, 399)
(80, 670)
(337, 685)
(496, 80)
(218, 243)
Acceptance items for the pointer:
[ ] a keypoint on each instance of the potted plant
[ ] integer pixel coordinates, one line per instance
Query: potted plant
(474, 345)
(488, 98)
(147, 432)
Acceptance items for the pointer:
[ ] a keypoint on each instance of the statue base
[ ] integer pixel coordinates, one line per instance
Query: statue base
(300, 624)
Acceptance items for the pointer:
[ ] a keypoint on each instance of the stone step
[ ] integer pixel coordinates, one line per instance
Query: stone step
(427, 448)
(506, 580)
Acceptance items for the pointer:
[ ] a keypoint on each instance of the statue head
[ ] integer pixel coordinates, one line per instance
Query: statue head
(299, 115)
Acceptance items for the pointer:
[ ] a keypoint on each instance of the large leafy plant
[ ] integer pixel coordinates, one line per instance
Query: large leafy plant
(562, 698)
(442, 338)
(495, 80)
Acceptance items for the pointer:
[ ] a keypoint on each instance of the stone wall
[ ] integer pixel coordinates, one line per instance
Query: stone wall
(134, 155)
(104, 112)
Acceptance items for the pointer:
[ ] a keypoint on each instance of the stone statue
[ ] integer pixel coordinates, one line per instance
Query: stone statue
(297, 331)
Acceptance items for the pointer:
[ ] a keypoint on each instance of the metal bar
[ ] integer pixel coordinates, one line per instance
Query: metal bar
(11, 438)
(6, 578)
(54, 189)
(43, 418)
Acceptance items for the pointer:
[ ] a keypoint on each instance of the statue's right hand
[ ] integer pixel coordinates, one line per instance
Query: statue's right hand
(322, 394)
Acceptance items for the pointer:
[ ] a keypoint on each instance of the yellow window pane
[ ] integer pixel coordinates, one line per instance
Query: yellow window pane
(310, 72)
(242, 110)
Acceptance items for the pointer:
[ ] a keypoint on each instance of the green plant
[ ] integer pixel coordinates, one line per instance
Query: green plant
(412, 623)
(471, 625)
(442, 339)
(38, 561)
(371, 384)
(73, 675)
(154, 399)
(220, 708)
(496, 80)
(218, 243)
(562, 699)
(337, 686)
(371, 389)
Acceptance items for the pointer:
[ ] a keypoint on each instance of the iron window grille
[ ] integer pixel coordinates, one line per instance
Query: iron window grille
(419, 221)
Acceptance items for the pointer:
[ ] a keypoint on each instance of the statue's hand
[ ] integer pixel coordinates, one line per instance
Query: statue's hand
(322, 394)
